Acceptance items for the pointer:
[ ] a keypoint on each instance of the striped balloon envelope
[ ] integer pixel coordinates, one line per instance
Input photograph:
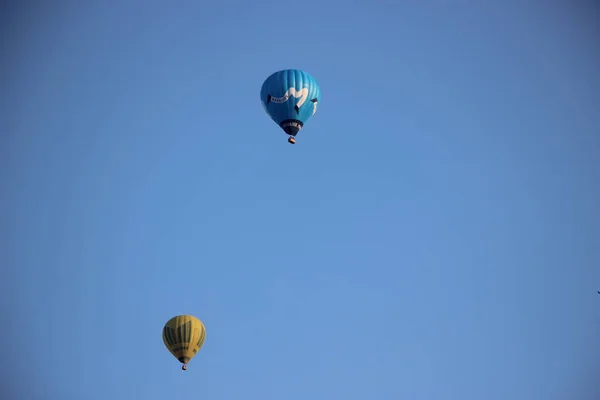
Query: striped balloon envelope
(184, 336)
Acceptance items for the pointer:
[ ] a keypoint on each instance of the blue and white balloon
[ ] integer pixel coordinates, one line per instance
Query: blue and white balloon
(290, 97)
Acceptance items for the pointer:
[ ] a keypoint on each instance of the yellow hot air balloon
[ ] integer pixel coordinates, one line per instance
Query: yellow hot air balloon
(184, 336)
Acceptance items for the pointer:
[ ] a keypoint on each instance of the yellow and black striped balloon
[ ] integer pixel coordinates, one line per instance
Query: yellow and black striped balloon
(184, 336)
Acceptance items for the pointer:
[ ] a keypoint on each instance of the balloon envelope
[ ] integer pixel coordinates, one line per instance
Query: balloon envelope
(183, 336)
(290, 97)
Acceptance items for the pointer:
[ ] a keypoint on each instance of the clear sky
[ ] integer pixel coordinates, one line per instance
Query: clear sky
(434, 233)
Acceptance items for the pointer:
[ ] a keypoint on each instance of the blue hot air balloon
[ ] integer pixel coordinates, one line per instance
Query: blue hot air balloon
(290, 98)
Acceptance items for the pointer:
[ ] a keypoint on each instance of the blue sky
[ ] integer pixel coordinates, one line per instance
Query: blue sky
(434, 233)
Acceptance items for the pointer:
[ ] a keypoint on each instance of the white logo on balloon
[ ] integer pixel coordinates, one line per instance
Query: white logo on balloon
(302, 94)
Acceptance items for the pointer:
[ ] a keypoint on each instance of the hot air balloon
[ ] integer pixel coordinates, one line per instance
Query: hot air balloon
(184, 336)
(290, 98)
